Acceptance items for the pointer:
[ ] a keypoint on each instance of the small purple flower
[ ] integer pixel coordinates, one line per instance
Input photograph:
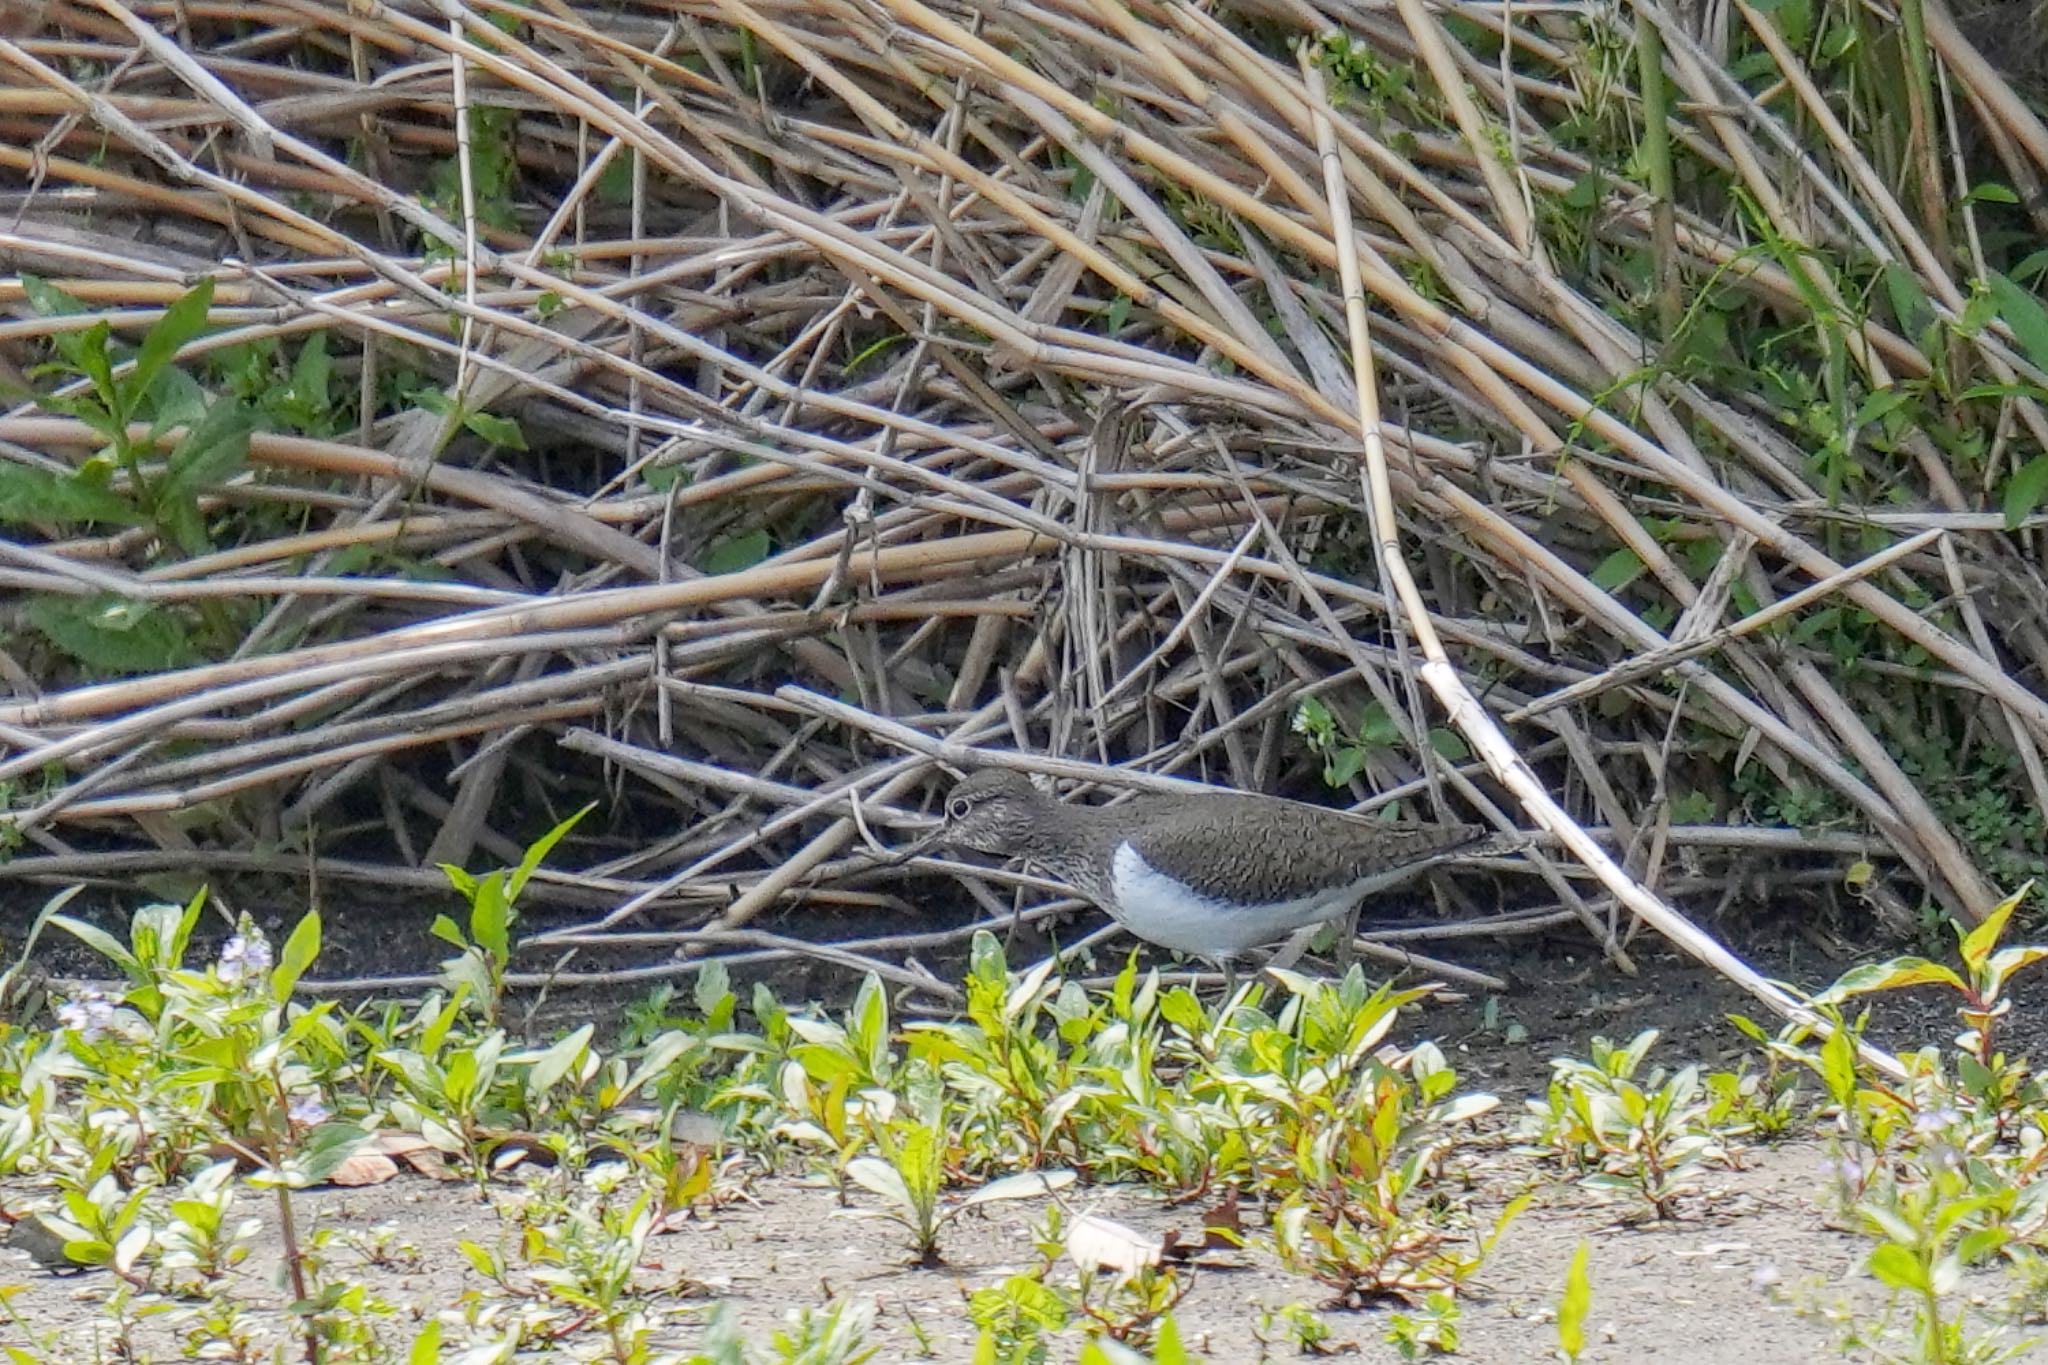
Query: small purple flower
(245, 955)
(1944, 1156)
(90, 1015)
(1931, 1121)
(1850, 1168)
(307, 1111)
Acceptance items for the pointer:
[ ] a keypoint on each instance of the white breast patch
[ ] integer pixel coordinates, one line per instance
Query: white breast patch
(1160, 910)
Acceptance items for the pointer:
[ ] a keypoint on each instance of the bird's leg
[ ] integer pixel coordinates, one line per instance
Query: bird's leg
(1289, 953)
(1347, 946)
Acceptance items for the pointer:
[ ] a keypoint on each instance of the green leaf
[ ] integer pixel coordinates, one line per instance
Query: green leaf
(876, 1175)
(1023, 1185)
(445, 929)
(1977, 314)
(48, 300)
(2006, 961)
(1618, 570)
(181, 322)
(1343, 765)
(1888, 976)
(211, 451)
(1898, 1268)
(1184, 1011)
(311, 373)
(538, 850)
(299, 951)
(1449, 744)
(1838, 1065)
(1376, 728)
(714, 983)
(869, 1024)
(550, 1066)
(1909, 301)
(499, 431)
(324, 1149)
(2023, 313)
(97, 939)
(426, 1347)
(1573, 1305)
(490, 917)
(2024, 491)
(29, 495)
(1118, 314)
(176, 400)
(1978, 943)
(735, 553)
(1977, 1245)
(113, 635)
(1978, 392)
(1167, 1350)
(1693, 808)
(661, 1054)
(95, 361)
(51, 302)
(1879, 403)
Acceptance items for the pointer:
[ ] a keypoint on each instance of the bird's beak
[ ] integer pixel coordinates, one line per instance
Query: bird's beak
(918, 845)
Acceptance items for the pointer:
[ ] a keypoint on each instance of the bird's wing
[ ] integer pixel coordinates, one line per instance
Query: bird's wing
(1232, 848)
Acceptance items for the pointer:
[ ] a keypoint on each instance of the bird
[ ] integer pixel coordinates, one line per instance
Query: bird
(1206, 875)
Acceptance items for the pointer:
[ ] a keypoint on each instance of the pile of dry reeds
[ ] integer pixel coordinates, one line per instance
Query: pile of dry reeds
(895, 378)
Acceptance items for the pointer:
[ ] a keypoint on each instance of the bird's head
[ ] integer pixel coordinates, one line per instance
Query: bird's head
(993, 811)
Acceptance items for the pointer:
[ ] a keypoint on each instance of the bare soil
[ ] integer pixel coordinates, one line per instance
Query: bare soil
(1751, 1272)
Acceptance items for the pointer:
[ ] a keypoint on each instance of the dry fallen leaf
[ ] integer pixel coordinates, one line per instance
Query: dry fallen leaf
(1222, 1229)
(363, 1167)
(412, 1149)
(394, 1142)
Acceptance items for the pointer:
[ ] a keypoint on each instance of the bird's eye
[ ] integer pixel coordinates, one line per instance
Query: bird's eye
(957, 809)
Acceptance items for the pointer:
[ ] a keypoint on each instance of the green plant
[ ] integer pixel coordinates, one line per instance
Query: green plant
(1020, 1082)
(1132, 1308)
(910, 1177)
(1344, 754)
(1932, 1228)
(579, 1267)
(1296, 1325)
(834, 1335)
(191, 1059)
(132, 402)
(839, 1079)
(116, 394)
(1746, 1101)
(1925, 1164)
(1432, 1329)
(1354, 1141)
(1573, 1305)
(1166, 1349)
(1646, 1137)
(1013, 1320)
(1987, 970)
(484, 954)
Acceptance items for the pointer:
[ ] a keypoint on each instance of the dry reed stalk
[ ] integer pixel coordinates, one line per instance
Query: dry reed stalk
(994, 356)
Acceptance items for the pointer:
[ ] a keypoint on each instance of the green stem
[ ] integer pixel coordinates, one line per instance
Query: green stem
(1657, 166)
(1920, 116)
